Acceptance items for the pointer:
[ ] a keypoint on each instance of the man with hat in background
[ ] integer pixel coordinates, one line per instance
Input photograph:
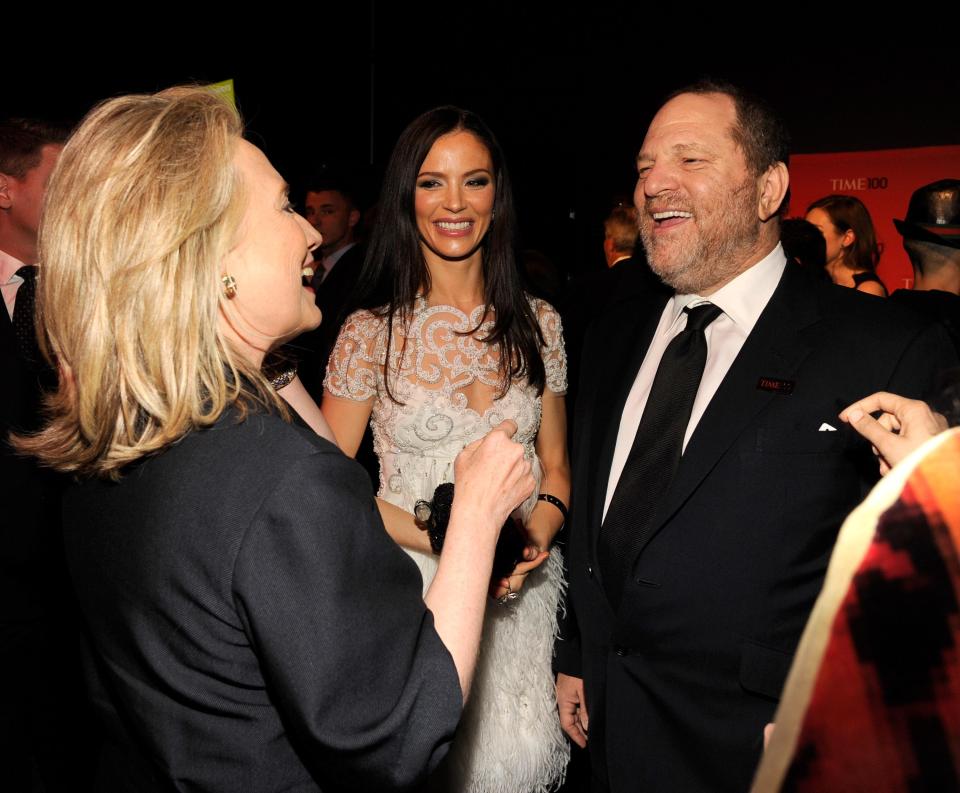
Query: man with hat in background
(931, 238)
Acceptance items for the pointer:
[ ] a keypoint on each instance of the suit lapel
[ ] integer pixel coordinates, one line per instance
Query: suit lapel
(774, 349)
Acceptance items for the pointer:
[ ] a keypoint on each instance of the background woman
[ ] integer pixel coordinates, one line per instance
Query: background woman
(221, 552)
(457, 347)
(852, 248)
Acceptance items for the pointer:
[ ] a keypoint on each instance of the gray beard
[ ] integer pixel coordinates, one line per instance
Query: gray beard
(711, 260)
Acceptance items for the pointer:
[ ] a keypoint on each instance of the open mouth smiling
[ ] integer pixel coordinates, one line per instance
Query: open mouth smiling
(453, 227)
(670, 217)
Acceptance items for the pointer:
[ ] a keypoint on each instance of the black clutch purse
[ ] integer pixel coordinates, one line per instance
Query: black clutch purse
(434, 515)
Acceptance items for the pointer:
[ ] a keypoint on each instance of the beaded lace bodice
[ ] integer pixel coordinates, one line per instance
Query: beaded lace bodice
(446, 387)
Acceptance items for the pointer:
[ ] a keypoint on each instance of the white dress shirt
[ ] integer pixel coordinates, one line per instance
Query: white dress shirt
(742, 301)
(9, 280)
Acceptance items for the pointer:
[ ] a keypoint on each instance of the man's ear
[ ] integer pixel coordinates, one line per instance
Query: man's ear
(773, 188)
(353, 218)
(6, 200)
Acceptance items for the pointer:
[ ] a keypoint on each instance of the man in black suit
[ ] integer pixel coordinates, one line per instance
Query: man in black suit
(711, 472)
(333, 211)
(41, 698)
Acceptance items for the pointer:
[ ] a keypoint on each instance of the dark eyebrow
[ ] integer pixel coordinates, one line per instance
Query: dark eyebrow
(468, 173)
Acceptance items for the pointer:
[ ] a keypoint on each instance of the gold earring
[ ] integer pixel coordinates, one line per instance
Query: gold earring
(229, 286)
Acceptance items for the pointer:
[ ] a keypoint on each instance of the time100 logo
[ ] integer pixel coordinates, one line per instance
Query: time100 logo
(859, 183)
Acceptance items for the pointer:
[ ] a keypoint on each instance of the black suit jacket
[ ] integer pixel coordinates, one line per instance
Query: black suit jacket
(933, 305)
(681, 680)
(252, 626)
(31, 574)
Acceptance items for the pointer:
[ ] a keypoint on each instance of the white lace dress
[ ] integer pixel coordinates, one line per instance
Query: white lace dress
(509, 739)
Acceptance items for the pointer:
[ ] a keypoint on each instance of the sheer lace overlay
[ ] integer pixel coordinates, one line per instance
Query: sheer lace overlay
(446, 384)
(446, 387)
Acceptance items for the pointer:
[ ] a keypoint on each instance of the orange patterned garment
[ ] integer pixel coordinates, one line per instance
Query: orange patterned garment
(884, 713)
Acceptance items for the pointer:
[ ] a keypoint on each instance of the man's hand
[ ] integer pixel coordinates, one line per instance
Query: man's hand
(903, 426)
(572, 707)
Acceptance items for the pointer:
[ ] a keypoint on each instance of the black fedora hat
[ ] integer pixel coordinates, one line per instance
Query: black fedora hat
(934, 214)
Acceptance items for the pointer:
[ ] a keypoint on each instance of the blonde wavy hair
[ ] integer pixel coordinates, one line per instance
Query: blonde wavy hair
(141, 209)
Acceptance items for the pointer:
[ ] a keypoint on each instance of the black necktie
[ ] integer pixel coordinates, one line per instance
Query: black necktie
(24, 329)
(656, 450)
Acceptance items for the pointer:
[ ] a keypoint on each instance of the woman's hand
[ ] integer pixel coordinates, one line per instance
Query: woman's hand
(903, 425)
(533, 558)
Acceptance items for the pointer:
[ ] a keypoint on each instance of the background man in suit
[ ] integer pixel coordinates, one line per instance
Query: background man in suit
(691, 576)
(42, 705)
(931, 238)
(619, 234)
(331, 209)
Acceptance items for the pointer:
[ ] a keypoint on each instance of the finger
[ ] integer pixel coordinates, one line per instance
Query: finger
(889, 422)
(873, 431)
(525, 567)
(575, 734)
(507, 426)
(584, 715)
(581, 738)
(881, 400)
(473, 445)
(571, 725)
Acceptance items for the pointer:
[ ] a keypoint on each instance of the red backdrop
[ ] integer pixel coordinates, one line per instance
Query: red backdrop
(884, 181)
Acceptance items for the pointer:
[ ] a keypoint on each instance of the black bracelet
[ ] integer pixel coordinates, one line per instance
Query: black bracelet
(556, 502)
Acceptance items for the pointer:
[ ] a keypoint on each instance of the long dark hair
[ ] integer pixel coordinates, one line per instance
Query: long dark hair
(395, 269)
(848, 212)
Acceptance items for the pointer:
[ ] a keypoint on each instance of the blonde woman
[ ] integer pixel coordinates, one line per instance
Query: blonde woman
(219, 548)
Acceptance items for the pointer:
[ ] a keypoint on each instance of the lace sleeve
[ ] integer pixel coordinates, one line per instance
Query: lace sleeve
(554, 354)
(356, 358)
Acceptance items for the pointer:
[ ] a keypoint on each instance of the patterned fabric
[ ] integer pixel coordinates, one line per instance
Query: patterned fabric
(884, 701)
(447, 389)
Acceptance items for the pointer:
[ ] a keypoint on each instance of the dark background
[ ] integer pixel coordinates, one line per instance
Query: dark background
(569, 90)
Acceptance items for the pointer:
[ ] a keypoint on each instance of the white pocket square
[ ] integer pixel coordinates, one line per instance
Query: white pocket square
(826, 428)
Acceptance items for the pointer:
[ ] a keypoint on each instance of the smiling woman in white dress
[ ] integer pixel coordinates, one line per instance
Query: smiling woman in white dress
(452, 347)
